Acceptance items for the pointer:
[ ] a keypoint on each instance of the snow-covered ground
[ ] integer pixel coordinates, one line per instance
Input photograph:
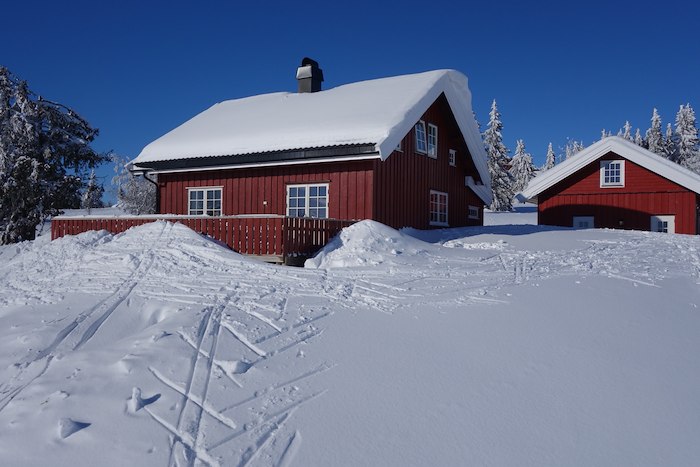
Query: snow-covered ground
(499, 345)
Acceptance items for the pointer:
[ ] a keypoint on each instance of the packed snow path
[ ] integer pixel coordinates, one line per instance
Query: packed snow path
(167, 349)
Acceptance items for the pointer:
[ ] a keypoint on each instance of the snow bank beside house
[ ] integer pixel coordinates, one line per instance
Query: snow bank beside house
(366, 243)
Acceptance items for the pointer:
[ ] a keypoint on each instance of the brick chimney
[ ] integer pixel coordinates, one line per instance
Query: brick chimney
(309, 76)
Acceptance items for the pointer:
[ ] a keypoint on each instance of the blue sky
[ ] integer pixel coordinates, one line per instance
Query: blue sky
(136, 70)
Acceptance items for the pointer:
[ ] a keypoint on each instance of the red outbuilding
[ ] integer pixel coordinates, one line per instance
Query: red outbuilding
(616, 184)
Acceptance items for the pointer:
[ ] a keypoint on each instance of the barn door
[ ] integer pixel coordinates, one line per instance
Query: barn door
(663, 224)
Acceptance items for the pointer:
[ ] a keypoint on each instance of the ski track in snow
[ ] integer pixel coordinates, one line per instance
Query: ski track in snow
(82, 325)
(264, 311)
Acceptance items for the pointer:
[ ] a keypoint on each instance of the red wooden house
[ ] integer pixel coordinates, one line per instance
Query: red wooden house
(404, 151)
(616, 184)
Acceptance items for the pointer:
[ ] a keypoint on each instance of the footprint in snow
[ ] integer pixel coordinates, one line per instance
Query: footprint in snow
(136, 402)
(68, 426)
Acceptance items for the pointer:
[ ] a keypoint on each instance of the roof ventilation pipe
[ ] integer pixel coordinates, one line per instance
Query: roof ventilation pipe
(309, 76)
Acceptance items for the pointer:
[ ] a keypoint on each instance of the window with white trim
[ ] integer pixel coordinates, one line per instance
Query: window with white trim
(438, 208)
(473, 212)
(612, 173)
(204, 201)
(432, 140)
(420, 137)
(308, 200)
(453, 157)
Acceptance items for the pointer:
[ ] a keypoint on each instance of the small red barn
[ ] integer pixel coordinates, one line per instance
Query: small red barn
(616, 184)
(404, 151)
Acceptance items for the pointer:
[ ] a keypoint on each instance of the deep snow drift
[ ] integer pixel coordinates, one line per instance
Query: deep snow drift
(499, 345)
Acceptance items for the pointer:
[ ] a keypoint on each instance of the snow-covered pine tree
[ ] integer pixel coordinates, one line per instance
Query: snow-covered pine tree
(135, 195)
(654, 137)
(687, 139)
(604, 133)
(626, 131)
(550, 159)
(521, 168)
(638, 140)
(572, 148)
(44, 150)
(92, 196)
(670, 143)
(497, 161)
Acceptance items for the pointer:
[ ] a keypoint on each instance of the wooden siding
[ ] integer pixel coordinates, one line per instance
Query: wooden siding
(264, 190)
(645, 194)
(402, 182)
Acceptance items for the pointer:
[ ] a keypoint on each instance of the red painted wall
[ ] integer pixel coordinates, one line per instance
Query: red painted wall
(404, 180)
(245, 190)
(645, 194)
(395, 191)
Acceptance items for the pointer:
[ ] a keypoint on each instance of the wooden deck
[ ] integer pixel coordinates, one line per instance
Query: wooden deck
(270, 238)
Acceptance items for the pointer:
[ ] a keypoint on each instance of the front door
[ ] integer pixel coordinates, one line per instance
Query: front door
(663, 224)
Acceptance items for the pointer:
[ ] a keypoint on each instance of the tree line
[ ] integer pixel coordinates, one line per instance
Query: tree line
(509, 176)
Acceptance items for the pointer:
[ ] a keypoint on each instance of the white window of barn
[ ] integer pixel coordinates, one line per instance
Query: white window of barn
(432, 140)
(612, 173)
(453, 157)
(308, 200)
(420, 137)
(438, 208)
(473, 212)
(204, 201)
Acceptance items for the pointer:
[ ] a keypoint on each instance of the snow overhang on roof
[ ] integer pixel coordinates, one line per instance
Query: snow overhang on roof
(379, 112)
(621, 147)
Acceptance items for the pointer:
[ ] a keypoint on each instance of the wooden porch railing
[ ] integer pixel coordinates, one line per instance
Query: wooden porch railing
(270, 236)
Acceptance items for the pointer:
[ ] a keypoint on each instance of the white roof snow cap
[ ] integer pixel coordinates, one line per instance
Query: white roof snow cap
(379, 112)
(621, 147)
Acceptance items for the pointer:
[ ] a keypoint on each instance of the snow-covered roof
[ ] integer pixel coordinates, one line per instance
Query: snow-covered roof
(623, 148)
(379, 112)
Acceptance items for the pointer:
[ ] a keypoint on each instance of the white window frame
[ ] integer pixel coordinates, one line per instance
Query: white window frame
(432, 141)
(205, 211)
(420, 128)
(670, 222)
(589, 220)
(435, 215)
(307, 198)
(604, 166)
(473, 212)
(453, 158)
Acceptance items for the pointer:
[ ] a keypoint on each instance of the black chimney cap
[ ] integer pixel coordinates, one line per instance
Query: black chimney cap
(309, 76)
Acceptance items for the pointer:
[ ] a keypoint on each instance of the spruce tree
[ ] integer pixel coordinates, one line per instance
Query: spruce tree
(572, 148)
(687, 139)
(522, 169)
(550, 159)
(638, 140)
(44, 151)
(497, 161)
(626, 131)
(135, 195)
(654, 137)
(669, 143)
(92, 197)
